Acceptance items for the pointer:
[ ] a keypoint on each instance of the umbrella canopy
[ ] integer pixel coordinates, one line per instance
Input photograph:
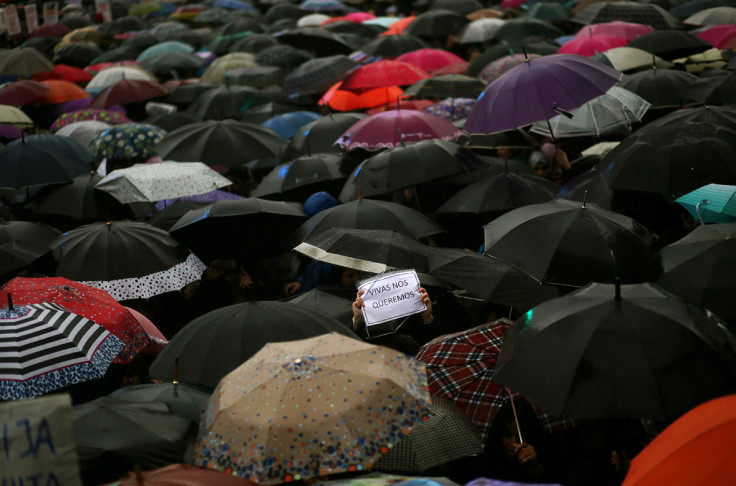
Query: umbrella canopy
(522, 28)
(631, 351)
(640, 13)
(316, 40)
(127, 141)
(591, 45)
(369, 214)
(226, 228)
(114, 74)
(180, 474)
(721, 36)
(434, 23)
(320, 135)
(107, 116)
(47, 348)
(220, 142)
(713, 90)
(568, 243)
(697, 268)
(631, 59)
(224, 102)
(23, 62)
(10, 115)
(127, 91)
(613, 112)
(61, 91)
(451, 109)
(384, 73)
(406, 166)
(287, 124)
(670, 44)
(429, 59)
(672, 160)
(481, 30)
(215, 72)
(561, 81)
(298, 179)
(346, 100)
(394, 128)
(322, 298)
(167, 47)
(183, 400)
(22, 92)
(128, 259)
(251, 325)
(392, 46)
(163, 180)
(21, 242)
(447, 86)
(91, 303)
(697, 437)
(661, 88)
(84, 131)
(712, 203)
(387, 380)
(317, 75)
(713, 16)
(78, 201)
(623, 30)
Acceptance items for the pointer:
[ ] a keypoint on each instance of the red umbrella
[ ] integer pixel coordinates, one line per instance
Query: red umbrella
(625, 30)
(455, 68)
(430, 59)
(94, 304)
(96, 68)
(396, 127)
(61, 91)
(721, 36)
(64, 73)
(344, 100)
(128, 91)
(399, 26)
(22, 92)
(51, 30)
(591, 45)
(158, 340)
(384, 73)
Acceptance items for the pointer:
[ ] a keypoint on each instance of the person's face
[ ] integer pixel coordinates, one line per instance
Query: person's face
(349, 277)
(509, 440)
(504, 153)
(541, 170)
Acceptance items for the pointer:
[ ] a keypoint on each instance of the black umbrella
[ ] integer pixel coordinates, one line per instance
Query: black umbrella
(718, 115)
(490, 278)
(21, 242)
(533, 45)
(172, 121)
(447, 86)
(670, 44)
(283, 10)
(44, 45)
(719, 89)
(321, 298)
(224, 102)
(196, 38)
(141, 41)
(640, 13)
(629, 352)
(119, 54)
(699, 268)
(393, 45)
(318, 41)
(236, 228)
(77, 54)
(253, 43)
(343, 27)
(317, 75)
(183, 400)
(320, 135)
(115, 250)
(256, 76)
(569, 243)
(300, 178)
(178, 61)
(284, 56)
(368, 214)
(75, 20)
(233, 334)
(663, 88)
(590, 186)
(23, 62)
(260, 113)
(516, 30)
(227, 142)
(78, 201)
(672, 160)
(463, 7)
(407, 166)
(438, 22)
(168, 216)
(123, 25)
(189, 93)
(237, 25)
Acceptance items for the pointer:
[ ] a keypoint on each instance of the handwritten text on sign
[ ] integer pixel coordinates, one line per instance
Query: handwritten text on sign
(37, 443)
(391, 296)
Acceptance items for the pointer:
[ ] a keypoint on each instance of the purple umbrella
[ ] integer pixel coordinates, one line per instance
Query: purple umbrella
(10, 132)
(81, 104)
(539, 89)
(210, 197)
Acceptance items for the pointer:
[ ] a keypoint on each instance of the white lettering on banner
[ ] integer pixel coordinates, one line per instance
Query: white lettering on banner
(391, 296)
(37, 443)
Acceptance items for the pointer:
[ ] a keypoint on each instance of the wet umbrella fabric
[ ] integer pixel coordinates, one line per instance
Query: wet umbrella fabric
(84, 131)
(300, 178)
(392, 46)
(638, 13)
(251, 325)
(78, 201)
(183, 400)
(436, 23)
(21, 242)
(346, 435)
(34, 164)
(384, 73)
(447, 86)
(712, 203)
(287, 124)
(324, 300)
(23, 62)
(224, 102)
(670, 44)
(10, 115)
(568, 243)
(50, 348)
(631, 59)
(127, 141)
(106, 116)
(320, 135)
(22, 92)
(507, 103)
(317, 75)
(128, 91)
(159, 181)
(661, 88)
(637, 352)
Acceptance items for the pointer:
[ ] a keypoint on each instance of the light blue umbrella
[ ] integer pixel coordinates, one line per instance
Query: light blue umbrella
(384, 22)
(321, 5)
(287, 124)
(712, 203)
(164, 48)
(234, 5)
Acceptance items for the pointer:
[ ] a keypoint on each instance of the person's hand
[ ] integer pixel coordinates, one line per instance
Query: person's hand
(561, 159)
(525, 453)
(214, 271)
(426, 314)
(292, 288)
(358, 304)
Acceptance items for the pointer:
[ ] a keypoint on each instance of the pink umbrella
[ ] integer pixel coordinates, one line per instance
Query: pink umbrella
(430, 59)
(591, 45)
(396, 127)
(512, 3)
(158, 340)
(625, 30)
(360, 16)
(721, 36)
(455, 68)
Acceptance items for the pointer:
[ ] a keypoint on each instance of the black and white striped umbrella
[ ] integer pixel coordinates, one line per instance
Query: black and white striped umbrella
(44, 347)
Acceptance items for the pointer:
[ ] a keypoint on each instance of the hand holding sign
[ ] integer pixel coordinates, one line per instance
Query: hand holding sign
(389, 297)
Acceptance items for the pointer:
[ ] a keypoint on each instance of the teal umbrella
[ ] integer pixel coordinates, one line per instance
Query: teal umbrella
(712, 203)
(164, 48)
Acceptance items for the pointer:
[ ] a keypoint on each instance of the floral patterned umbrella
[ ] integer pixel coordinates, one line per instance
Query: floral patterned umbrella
(500, 66)
(127, 141)
(107, 116)
(207, 197)
(94, 304)
(451, 109)
(281, 402)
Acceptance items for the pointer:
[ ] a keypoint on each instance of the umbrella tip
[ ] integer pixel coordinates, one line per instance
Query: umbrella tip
(585, 198)
(138, 474)
(526, 57)
(176, 372)
(617, 282)
(360, 193)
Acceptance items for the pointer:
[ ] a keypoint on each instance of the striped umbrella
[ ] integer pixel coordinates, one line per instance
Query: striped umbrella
(45, 347)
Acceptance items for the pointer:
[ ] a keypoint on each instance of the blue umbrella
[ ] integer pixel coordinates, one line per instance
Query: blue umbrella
(164, 48)
(233, 5)
(712, 203)
(287, 124)
(321, 5)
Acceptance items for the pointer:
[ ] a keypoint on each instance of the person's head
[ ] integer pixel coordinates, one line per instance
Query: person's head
(504, 435)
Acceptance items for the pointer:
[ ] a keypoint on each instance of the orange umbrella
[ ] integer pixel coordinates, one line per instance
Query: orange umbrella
(696, 449)
(61, 91)
(344, 100)
(398, 27)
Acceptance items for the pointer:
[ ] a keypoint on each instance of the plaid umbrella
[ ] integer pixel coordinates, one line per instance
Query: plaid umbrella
(46, 347)
(127, 141)
(91, 303)
(106, 116)
(344, 434)
(637, 13)
(460, 367)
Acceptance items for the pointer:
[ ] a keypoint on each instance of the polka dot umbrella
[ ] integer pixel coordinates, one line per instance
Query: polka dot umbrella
(283, 402)
(127, 141)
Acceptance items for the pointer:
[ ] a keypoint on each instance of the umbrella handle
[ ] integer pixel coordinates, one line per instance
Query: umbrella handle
(697, 209)
(516, 417)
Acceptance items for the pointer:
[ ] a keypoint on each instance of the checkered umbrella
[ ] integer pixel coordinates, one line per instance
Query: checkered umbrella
(460, 367)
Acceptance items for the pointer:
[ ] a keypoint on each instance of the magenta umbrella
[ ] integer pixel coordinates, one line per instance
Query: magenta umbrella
(721, 36)
(625, 30)
(539, 89)
(430, 59)
(396, 127)
(591, 45)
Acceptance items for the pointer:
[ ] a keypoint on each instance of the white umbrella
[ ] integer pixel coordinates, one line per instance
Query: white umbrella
(312, 20)
(631, 59)
(112, 75)
(479, 30)
(84, 131)
(159, 181)
(615, 111)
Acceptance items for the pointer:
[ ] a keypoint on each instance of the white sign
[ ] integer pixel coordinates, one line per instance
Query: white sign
(11, 17)
(50, 12)
(31, 18)
(37, 445)
(3, 23)
(391, 296)
(103, 6)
